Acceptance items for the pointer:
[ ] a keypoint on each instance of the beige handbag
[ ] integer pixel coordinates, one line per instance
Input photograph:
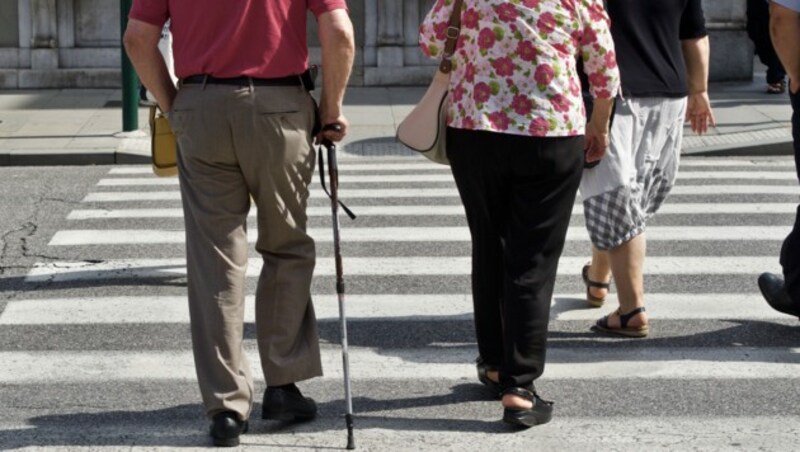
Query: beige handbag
(424, 129)
(163, 147)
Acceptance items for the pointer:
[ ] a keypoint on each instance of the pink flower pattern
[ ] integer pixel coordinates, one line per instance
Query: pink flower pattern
(482, 92)
(544, 74)
(514, 70)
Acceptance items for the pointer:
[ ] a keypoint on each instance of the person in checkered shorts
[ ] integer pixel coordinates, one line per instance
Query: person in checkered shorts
(662, 48)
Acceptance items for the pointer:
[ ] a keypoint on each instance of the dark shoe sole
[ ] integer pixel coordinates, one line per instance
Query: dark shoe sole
(230, 442)
(287, 416)
(226, 442)
(525, 418)
(636, 333)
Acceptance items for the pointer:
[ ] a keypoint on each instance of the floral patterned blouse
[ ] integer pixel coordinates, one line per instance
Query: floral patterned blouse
(514, 69)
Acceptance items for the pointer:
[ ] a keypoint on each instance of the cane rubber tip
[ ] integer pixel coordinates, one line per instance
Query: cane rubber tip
(351, 442)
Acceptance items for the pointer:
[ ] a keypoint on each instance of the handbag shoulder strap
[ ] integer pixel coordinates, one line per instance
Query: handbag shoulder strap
(453, 30)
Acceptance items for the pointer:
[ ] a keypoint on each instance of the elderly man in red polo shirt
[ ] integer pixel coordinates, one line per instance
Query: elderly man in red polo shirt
(245, 125)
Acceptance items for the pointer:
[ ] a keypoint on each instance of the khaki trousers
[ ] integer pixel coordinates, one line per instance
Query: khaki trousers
(238, 142)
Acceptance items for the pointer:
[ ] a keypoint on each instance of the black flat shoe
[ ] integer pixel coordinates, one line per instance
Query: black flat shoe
(226, 428)
(774, 291)
(286, 403)
(540, 413)
(483, 377)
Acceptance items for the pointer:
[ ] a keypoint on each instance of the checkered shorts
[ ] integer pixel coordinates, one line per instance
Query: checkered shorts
(637, 173)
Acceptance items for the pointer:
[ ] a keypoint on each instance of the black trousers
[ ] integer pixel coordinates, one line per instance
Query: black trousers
(790, 252)
(758, 30)
(518, 193)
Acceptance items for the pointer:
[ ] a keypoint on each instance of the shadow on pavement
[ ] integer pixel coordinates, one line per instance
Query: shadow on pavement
(184, 426)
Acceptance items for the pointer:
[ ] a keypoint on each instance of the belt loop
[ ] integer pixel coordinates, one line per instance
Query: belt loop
(252, 87)
(205, 80)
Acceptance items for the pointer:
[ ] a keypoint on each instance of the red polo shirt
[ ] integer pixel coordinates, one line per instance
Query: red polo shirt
(231, 38)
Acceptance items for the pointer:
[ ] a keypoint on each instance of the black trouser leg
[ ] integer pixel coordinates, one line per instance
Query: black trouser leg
(541, 206)
(481, 186)
(518, 193)
(758, 30)
(790, 251)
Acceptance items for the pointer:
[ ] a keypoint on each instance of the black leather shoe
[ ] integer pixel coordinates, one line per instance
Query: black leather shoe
(774, 291)
(287, 404)
(540, 413)
(226, 428)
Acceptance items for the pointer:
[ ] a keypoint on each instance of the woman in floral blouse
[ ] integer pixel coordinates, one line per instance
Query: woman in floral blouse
(517, 141)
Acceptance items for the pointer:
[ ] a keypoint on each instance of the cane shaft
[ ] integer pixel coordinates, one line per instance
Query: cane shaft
(333, 172)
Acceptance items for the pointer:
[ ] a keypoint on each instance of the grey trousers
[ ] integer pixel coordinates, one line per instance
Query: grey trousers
(238, 142)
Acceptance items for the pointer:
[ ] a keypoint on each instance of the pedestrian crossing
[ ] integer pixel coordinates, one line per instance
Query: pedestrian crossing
(414, 234)
(103, 328)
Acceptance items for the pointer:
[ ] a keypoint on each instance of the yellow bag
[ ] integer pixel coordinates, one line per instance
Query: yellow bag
(162, 145)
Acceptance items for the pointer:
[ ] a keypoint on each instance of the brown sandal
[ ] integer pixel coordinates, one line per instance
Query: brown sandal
(591, 299)
(776, 88)
(624, 329)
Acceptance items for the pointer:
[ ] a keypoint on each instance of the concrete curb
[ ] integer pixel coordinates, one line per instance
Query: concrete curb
(132, 148)
(136, 150)
(763, 148)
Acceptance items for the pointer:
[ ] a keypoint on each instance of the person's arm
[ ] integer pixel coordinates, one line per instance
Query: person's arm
(597, 129)
(338, 52)
(698, 109)
(784, 27)
(600, 65)
(141, 43)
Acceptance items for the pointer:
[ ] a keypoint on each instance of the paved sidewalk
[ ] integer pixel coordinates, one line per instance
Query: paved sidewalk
(76, 127)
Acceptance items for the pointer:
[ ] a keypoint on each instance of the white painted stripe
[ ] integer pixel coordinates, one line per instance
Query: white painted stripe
(433, 362)
(138, 181)
(376, 193)
(417, 234)
(345, 178)
(97, 214)
(726, 162)
(393, 266)
(703, 190)
(349, 167)
(361, 211)
(758, 175)
(314, 194)
(175, 309)
(722, 208)
(133, 196)
(377, 165)
(128, 170)
(445, 210)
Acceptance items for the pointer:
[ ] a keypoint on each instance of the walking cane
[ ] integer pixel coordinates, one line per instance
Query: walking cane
(333, 172)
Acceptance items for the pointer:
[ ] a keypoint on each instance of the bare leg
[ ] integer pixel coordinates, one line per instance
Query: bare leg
(627, 263)
(600, 271)
(516, 402)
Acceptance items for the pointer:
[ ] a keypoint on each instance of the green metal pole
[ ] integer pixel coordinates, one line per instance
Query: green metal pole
(130, 82)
